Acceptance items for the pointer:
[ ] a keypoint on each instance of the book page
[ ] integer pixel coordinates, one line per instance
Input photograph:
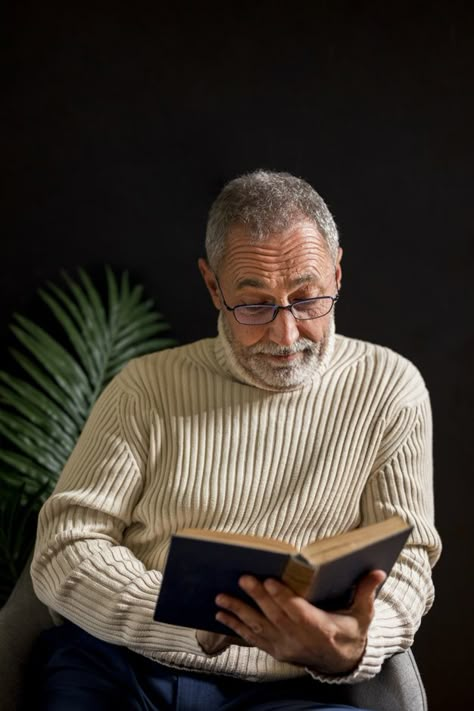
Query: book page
(238, 539)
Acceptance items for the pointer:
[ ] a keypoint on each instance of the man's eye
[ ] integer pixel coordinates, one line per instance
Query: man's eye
(309, 297)
(255, 308)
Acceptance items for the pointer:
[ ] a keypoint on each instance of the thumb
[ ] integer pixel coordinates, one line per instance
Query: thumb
(367, 589)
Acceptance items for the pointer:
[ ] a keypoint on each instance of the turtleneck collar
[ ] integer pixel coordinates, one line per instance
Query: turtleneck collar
(228, 362)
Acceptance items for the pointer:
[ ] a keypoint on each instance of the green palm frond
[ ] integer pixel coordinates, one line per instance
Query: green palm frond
(43, 412)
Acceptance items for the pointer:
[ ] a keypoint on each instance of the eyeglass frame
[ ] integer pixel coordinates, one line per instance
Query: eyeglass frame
(277, 308)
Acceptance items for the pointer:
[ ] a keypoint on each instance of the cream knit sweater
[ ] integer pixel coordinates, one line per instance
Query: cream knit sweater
(180, 438)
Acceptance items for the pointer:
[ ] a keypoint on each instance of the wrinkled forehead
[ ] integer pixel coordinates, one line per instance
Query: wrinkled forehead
(297, 253)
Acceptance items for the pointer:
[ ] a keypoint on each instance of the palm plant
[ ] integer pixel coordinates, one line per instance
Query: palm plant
(42, 414)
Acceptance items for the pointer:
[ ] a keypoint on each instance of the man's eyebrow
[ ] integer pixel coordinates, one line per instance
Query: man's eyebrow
(252, 282)
(299, 280)
(305, 279)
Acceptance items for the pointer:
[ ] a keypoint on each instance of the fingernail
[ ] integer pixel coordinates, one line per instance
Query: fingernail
(270, 586)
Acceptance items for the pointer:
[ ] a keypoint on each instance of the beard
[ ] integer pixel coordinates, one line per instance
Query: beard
(266, 372)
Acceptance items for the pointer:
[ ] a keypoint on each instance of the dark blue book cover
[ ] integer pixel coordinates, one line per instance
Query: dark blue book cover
(197, 570)
(334, 583)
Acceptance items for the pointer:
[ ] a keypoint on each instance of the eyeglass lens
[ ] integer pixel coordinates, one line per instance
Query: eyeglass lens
(304, 310)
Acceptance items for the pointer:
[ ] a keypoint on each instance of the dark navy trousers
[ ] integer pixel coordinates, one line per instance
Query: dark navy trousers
(74, 671)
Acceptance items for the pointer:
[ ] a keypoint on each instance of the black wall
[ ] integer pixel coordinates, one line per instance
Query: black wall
(119, 127)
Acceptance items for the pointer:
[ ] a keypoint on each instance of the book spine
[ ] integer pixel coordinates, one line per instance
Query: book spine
(298, 575)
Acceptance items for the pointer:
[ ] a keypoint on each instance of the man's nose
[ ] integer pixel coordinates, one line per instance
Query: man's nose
(284, 328)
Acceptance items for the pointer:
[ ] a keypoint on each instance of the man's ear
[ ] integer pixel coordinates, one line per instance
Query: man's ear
(210, 281)
(339, 268)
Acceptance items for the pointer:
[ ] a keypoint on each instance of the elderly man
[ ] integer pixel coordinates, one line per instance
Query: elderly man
(277, 427)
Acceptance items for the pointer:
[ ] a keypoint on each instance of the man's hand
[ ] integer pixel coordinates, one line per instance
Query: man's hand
(290, 629)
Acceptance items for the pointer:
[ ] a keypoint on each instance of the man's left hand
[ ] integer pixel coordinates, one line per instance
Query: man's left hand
(291, 629)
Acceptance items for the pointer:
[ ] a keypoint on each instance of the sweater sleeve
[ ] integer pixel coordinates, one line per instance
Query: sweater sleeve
(401, 483)
(81, 567)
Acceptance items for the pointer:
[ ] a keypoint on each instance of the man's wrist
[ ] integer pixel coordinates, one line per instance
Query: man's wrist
(342, 667)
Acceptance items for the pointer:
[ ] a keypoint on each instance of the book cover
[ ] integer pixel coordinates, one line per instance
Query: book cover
(197, 570)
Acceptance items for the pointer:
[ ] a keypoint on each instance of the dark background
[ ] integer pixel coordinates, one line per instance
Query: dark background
(119, 126)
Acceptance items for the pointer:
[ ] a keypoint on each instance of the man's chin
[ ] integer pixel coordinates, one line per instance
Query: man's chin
(291, 361)
(282, 376)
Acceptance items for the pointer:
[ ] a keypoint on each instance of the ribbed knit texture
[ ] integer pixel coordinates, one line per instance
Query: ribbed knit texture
(179, 438)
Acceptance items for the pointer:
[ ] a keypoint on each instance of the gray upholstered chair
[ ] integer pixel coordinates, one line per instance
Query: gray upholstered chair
(398, 687)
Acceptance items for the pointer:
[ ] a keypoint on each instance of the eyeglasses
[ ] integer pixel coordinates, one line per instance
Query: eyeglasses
(260, 314)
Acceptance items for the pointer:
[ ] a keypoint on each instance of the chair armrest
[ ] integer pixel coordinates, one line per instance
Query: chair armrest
(22, 619)
(398, 686)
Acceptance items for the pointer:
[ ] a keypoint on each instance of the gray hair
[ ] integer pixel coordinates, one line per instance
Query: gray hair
(266, 202)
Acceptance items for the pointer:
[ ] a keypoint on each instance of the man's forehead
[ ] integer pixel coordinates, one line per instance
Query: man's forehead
(294, 280)
(296, 237)
(297, 256)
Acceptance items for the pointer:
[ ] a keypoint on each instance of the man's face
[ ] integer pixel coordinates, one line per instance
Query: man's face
(283, 268)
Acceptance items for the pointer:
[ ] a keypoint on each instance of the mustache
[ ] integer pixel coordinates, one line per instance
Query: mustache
(303, 344)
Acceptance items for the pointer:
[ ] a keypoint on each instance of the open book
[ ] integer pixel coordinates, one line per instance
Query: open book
(203, 563)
